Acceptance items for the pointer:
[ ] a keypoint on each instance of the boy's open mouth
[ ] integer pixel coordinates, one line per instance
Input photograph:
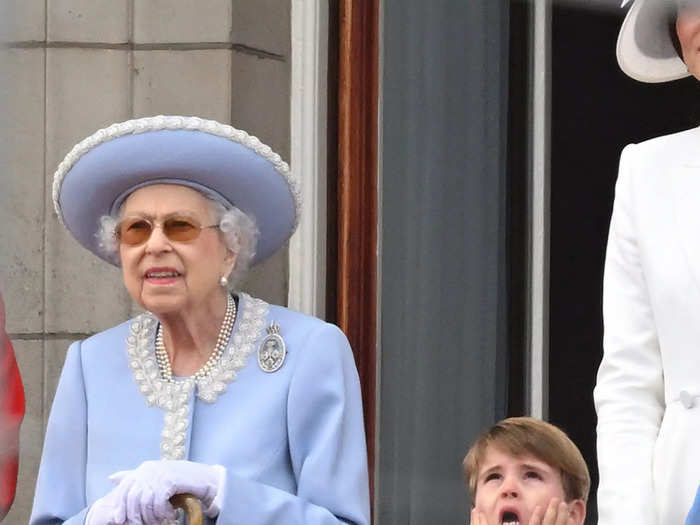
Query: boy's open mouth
(509, 518)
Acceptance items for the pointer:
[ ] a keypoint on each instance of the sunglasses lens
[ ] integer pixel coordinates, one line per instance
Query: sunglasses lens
(181, 229)
(134, 231)
(137, 231)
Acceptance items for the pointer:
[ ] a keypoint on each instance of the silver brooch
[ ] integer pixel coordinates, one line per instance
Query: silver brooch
(272, 350)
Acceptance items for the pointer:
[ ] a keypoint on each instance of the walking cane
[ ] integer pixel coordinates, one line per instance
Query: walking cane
(190, 505)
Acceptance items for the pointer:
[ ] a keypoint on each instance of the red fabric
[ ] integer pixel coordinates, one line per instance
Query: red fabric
(11, 413)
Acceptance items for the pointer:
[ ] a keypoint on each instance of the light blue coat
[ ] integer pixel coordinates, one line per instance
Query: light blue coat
(292, 441)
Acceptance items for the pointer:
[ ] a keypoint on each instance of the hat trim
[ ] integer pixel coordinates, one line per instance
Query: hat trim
(162, 122)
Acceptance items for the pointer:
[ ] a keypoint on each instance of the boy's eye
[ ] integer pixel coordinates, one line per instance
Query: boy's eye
(492, 476)
(531, 474)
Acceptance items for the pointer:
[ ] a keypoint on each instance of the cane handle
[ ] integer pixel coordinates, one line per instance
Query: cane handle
(190, 505)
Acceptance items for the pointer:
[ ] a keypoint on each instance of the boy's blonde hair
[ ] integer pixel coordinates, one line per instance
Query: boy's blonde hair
(526, 435)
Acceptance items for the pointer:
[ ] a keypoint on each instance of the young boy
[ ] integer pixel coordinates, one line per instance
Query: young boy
(523, 471)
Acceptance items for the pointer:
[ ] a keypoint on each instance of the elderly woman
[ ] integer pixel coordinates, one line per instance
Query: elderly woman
(253, 408)
(649, 380)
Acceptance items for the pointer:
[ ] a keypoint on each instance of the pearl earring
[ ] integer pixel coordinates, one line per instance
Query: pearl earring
(223, 281)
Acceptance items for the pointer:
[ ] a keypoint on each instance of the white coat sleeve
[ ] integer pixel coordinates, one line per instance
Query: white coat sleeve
(628, 395)
(60, 487)
(326, 445)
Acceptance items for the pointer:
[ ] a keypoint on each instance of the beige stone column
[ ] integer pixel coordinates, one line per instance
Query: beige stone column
(69, 67)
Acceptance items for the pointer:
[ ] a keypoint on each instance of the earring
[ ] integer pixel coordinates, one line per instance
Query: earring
(223, 281)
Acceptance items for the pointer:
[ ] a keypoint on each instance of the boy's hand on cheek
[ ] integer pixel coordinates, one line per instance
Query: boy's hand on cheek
(478, 517)
(557, 513)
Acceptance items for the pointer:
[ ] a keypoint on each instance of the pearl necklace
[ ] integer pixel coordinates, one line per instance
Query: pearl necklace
(166, 371)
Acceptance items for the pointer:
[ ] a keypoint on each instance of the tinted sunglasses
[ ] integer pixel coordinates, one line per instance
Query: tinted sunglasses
(137, 230)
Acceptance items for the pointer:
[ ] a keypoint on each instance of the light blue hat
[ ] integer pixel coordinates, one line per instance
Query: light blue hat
(233, 167)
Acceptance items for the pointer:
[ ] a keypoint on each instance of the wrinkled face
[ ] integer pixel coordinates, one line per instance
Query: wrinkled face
(166, 276)
(509, 488)
(688, 30)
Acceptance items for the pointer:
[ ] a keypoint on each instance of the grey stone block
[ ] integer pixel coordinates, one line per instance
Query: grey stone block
(88, 21)
(196, 82)
(136, 309)
(54, 357)
(260, 100)
(269, 280)
(22, 20)
(30, 360)
(22, 187)
(171, 21)
(263, 24)
(86, 89)
(83, 293)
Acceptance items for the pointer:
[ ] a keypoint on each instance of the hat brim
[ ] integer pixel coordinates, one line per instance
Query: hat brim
(244, 173)
(645, 51)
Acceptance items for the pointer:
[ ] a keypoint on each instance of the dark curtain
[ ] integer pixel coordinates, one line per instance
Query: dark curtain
(443, 250)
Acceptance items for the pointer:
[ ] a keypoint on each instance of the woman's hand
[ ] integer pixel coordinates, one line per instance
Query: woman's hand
(144, 493)
(104, 510)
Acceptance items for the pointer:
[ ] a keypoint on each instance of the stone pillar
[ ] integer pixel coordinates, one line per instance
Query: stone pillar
(69, 67)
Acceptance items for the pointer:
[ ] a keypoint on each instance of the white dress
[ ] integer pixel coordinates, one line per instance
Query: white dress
(648, 384)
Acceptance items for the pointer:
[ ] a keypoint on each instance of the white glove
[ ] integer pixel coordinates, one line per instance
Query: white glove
(112, 509)
(104, 510)
(144, 492)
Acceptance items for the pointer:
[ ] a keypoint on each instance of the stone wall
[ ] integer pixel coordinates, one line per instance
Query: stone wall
(69, 67)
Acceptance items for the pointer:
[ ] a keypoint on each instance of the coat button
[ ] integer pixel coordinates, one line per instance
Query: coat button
(686, 399)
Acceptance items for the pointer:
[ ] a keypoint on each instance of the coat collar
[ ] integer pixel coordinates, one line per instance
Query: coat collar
(174, 397)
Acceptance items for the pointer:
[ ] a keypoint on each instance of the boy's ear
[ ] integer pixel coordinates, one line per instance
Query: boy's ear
(577, 511)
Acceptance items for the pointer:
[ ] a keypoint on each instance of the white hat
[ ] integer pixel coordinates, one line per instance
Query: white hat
(224, 162)
(645, 50)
